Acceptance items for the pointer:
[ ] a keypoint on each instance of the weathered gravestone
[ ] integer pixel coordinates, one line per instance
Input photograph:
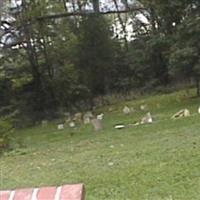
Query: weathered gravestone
(60, 127)
(126, 110)
(147, 119)
(97, 124)
(87, 117)
(181, 113)
(78, 117)
(199, 110)
(44, 124)
(100, 116)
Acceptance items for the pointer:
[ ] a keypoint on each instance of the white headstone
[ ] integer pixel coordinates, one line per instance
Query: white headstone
(147, 119)
(60, 126)
(199, 110)
(126, 110)
(72, 124)
(100, 116)
(186, 113)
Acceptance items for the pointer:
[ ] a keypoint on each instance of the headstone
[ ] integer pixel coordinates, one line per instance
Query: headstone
(126, 110)
(147, 119)
(78, 117)
(199, 110)
(186, 113)
(72, 124)
(97, 124)
(87, 117)
(67, 114)
(44, 123)
(119, 126)
(100, 116)
(60, 126)
(181, 113)
(143, 107)
(86, 120)
(110, 164)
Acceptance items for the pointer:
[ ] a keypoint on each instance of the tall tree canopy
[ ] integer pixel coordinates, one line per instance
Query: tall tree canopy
(59, 55)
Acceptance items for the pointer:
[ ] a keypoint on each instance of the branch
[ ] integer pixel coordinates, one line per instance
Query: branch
(123, 25)
(85, 13)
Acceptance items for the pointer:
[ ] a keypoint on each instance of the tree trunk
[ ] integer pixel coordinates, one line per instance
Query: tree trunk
(95, 5)
(123, 24)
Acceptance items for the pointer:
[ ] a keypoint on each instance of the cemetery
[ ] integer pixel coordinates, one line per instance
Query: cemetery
(99, 100)
(129, 163)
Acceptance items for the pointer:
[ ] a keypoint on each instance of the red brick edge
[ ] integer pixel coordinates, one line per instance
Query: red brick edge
(65, 192)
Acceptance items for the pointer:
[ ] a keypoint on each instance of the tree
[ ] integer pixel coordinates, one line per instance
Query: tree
(46, 52)
(158, 34)
(95, 54)
(185, 53)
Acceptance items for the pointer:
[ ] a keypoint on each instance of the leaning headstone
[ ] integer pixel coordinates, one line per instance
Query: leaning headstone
(126, 110)
(60, 126)
(181, 113)
(147, 119)
(97, 124)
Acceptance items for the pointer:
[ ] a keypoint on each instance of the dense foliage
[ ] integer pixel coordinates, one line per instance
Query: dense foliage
(48, 64)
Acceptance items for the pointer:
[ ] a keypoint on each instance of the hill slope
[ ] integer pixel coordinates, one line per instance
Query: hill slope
(154, 162)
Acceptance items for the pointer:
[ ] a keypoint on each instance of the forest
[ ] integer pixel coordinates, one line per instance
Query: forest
(59, 55)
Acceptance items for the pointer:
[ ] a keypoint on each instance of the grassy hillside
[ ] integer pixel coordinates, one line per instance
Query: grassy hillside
(150, 162)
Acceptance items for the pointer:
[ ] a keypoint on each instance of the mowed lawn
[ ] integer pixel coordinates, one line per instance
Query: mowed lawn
(149, 162)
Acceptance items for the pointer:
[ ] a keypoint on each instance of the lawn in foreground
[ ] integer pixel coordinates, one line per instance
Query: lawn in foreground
(154, 162)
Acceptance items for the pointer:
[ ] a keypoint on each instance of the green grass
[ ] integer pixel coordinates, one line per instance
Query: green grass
(151, 162)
